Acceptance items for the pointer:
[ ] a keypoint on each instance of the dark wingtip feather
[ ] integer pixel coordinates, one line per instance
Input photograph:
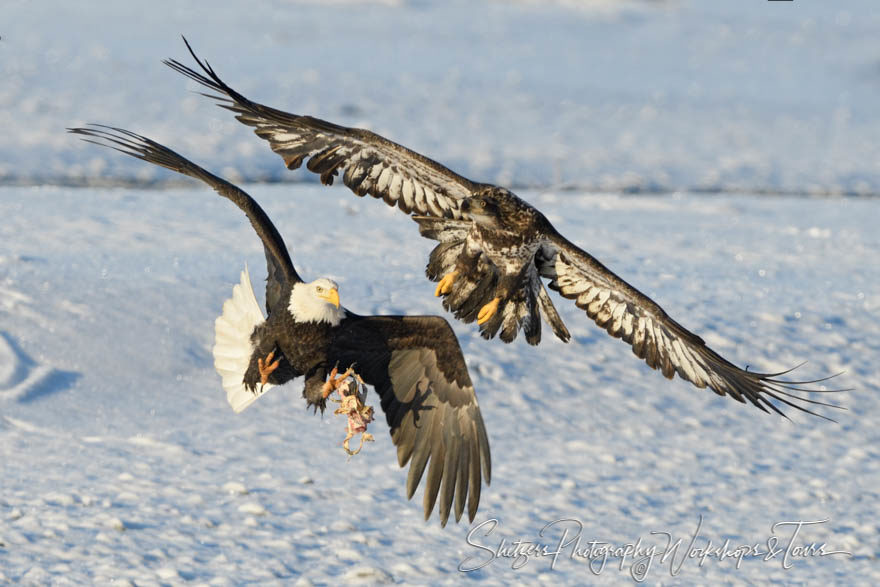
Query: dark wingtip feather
(770, 386)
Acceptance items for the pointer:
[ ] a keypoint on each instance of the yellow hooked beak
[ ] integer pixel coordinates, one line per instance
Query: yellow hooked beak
(331, 296)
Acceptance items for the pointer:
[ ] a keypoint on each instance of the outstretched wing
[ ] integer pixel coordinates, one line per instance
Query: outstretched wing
(280, 267)
(626, 313)
(373, 165)
(416, 366)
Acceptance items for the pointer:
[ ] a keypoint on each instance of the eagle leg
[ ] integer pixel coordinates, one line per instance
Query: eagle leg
(333, 383)
(445, 285)
(267, 367)
(487, 311)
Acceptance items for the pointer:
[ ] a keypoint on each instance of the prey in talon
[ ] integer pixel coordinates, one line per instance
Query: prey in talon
(352, 404)
(334, 383)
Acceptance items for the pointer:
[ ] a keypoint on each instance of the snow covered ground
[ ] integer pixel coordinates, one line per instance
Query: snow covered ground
(119, 458)
(638, 95)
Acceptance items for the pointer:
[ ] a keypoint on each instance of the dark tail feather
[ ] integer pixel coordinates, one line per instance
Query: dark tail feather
(548, 311)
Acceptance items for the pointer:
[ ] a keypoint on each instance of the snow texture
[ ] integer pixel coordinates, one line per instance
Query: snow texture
(123, 461)
(120, 459)
(635, 95)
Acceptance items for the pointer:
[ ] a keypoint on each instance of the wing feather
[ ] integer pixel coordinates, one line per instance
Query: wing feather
(296, 138)
(416, 366)
(450, 468)
(664, 344)
(280, 266)
(463, 468)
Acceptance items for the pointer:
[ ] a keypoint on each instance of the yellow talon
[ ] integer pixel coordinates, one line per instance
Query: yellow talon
(267, 367)
(333, 382)
(445, 285)
(487, 311)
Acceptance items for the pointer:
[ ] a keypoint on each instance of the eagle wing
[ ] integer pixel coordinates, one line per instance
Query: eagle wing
(280, 266)
(416, 365)
(626, 313)
(373, 165)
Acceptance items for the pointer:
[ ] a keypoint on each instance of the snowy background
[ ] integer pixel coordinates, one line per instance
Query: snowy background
(651, 95)
(119, 458)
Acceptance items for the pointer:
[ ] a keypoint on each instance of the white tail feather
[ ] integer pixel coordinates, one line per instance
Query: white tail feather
(232, 343)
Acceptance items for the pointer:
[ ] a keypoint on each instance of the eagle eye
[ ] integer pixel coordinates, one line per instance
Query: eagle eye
(319, 289)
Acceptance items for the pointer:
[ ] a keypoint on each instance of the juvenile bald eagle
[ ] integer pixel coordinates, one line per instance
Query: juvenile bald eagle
(414, 362)
(495, 248)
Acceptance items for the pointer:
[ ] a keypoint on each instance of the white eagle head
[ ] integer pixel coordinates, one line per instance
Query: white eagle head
(316, 301)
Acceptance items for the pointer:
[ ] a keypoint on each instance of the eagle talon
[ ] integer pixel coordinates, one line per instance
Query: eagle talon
(445, 285)
(333, 382)
(487, 311)
(266, 368)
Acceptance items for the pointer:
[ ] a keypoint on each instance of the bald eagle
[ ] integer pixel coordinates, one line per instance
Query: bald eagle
(414, 362)
(494, 249)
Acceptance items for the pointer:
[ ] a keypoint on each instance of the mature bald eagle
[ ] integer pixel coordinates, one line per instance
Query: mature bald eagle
(414, 362)
(495, 248)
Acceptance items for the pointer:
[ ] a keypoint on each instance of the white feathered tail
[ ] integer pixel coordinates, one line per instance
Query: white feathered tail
(232, 343)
